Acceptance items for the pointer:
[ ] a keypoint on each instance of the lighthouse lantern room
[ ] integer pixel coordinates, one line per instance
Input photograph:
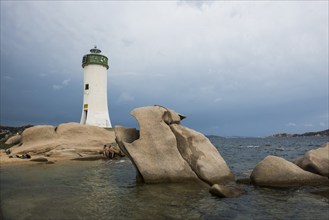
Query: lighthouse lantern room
(95, 108)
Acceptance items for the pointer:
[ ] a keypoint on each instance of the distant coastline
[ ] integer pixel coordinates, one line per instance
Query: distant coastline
(8, 131)
(324, 133)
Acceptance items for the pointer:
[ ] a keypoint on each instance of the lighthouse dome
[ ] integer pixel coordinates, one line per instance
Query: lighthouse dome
(95, 58)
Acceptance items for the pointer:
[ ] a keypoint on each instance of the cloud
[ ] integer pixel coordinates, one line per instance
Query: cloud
(291, 124)
(125, 97)
(57, 87)
(127, 42)
(214, 60)
(8, 78)
(322, 124)
(196, 4)
(218, 99)
(43, 74)
(66, 82)
(62, 85)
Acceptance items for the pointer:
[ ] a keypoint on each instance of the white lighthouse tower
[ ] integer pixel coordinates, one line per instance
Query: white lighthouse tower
(95, 110)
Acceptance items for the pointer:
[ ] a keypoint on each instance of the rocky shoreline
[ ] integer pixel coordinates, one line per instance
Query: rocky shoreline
(164, 151)
(324, 133)
(64, 142)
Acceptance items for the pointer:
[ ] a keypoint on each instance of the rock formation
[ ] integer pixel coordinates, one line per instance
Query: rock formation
(69, 140)
(155, 153)
(16, 139)
(315, 161)
(226, 191)
(164, 151)
(277, 172)
(201, 155)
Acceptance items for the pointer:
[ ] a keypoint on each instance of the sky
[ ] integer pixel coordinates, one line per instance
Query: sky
(234, 68)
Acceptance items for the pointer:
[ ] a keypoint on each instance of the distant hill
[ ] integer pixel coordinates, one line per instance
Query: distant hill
(324, 133)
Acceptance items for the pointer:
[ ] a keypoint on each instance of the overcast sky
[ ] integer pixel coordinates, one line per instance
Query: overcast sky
(233, 68)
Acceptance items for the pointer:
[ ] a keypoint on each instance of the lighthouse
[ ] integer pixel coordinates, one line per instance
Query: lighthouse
(95, 109)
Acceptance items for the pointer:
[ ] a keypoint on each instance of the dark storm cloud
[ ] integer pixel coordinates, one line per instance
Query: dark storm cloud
(234, 68)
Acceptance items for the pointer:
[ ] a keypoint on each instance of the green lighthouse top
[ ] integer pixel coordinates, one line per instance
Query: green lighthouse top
(95, 58)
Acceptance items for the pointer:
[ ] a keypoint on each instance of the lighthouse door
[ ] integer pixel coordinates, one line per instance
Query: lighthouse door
(84, 118)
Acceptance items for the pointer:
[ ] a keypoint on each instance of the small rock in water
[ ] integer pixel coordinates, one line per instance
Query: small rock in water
(90, 158)
(225, 191)
(39, 159)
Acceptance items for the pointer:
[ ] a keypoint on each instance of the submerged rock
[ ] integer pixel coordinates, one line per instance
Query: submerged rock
(164, 151)
(89, 158)
(245, 181)
(226, 191)
(315, 161)
(39, 159)
(277, 172)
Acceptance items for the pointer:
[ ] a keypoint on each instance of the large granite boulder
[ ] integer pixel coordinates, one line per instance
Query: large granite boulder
(164, 151)
(36, 140)
(201, 155)
(16, 139)
(155, 153)
(68, 140)
(277, 172)
(315, 161)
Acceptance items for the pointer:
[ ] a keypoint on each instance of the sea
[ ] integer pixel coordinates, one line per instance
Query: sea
(107, 189)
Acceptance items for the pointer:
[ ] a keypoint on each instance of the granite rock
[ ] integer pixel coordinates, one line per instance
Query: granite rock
(164, 151)
(315, 161)
(277, 172)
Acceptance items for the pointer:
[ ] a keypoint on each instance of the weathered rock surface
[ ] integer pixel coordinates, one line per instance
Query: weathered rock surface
(201, 155)
(68, 140)
(125, 135)
(155, 153)
(16, 139)
(160, 156)
(315, 161)
(277, 172)
(225, 191)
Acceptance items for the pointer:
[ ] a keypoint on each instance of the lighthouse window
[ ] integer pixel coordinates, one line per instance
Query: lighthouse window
(86, 86)
(84, 59)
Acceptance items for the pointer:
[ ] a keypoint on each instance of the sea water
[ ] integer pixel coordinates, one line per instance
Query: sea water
(107, 189)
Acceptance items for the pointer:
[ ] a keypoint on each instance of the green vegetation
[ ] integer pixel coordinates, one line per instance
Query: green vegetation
(307, 134)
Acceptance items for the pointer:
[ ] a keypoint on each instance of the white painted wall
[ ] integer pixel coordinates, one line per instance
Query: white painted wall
(96, 97)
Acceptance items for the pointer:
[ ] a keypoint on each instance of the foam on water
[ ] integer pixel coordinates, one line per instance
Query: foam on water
(250, 146)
